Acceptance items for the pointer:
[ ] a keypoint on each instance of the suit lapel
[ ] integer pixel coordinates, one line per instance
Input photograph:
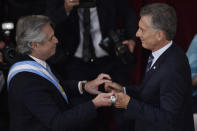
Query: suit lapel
(156, 66)
(153, 69)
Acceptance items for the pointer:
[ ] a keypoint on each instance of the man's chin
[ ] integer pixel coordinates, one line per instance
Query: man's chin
(145, 46)
(51, 56)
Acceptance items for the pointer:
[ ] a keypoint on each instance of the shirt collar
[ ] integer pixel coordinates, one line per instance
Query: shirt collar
(43, 63)
(158, 53)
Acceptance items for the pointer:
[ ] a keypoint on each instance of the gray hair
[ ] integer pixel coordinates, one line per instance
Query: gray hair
(163, 18)
(28, 30)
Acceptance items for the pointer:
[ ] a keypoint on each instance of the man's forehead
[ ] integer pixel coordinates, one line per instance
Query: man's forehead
(48, 30)
(145, 21)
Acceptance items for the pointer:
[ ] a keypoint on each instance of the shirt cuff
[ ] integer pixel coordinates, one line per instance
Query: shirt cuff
(124, 90)
(80, 86)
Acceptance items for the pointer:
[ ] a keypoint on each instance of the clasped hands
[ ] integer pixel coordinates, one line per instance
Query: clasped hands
(122, 99)
(112, 89)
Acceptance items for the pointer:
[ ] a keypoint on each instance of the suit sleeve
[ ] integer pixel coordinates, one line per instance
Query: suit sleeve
(56, 11)
(129, 19)
(71, 86)
(42, 102)
(173, 90)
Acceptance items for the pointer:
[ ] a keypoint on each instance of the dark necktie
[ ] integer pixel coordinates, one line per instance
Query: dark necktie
(150, 60)
(88, 49)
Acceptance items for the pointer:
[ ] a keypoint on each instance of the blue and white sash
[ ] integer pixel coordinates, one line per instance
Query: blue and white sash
(35, 67)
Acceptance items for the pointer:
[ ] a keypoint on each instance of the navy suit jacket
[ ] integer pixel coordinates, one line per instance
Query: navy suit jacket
(67, 27)
(35, 104)
(163, 101)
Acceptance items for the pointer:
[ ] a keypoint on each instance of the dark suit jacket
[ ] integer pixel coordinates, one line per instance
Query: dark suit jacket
(67, 27)
(35, 104)
(19, 8)
(4, 117)
(163, 102)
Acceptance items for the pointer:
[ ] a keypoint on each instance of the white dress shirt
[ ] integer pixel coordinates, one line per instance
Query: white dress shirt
(43, 63)
(95, 33)
(158, 53)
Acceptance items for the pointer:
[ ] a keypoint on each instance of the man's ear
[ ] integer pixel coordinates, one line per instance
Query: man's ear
(34, 45)
(160, 35)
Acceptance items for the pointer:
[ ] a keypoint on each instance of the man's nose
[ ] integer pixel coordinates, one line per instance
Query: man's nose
(56, 40)
(137, 33)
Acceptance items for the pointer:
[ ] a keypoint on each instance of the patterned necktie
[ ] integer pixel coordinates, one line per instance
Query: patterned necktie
(149, 63)
(88, 48)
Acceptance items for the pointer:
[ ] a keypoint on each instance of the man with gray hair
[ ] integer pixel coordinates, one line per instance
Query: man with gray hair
(38, 101)
(163, 101)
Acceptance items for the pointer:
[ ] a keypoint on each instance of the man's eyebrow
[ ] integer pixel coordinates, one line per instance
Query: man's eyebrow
(51, 37)
(141, 28)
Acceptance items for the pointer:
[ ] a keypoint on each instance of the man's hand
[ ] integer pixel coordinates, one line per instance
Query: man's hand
(69, 4)
(130, 44)
(102, 99)
(92, 86)
(112, 86)
(122, 100)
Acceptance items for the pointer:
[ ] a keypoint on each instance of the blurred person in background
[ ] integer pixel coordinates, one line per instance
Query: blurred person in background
(68, 15)
(192, 57)
(81, 27)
